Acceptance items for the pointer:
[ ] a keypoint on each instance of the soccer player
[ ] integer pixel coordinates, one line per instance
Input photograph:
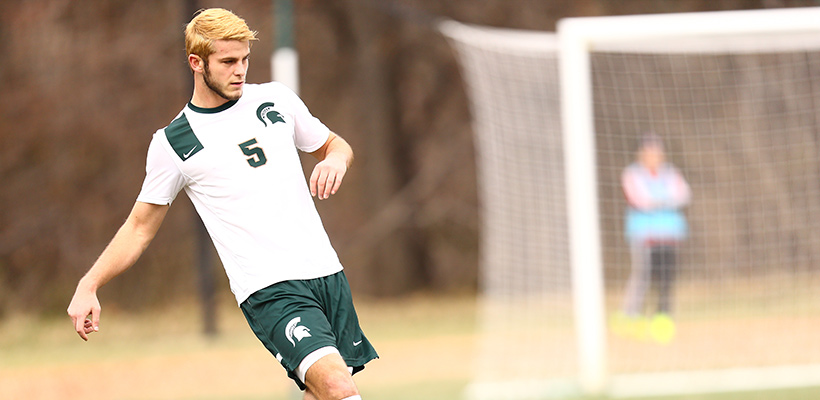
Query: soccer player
(233, 149)
(656, 192)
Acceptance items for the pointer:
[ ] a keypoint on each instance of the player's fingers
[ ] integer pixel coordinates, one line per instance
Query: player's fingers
(321, 184)
(88, 327)
(79, 326)
(314, 178)
(318, 180)
(330, 182)
(337, 182)
(95, 318)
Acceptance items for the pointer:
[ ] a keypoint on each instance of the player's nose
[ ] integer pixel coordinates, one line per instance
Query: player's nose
(241, 69)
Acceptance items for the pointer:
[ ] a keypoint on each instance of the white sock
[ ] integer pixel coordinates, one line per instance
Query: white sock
(356, 397)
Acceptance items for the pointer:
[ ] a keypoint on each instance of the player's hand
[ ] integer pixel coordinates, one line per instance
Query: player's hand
(327, 177)
(84, 311)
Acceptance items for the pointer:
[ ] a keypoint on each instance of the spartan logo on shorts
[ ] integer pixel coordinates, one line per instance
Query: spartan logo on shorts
(266, 112)
(295, 332)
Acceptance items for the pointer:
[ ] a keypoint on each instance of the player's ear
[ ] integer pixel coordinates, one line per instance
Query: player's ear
(196, 63)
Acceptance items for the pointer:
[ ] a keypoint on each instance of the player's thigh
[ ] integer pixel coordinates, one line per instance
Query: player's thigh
(289, 323)
(351, 341)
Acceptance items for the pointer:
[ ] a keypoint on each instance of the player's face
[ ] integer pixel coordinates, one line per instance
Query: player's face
(227, 67)
(652, 157)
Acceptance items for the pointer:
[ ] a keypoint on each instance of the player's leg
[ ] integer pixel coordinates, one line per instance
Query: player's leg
(312, 329)
(352, 350)
(630, 322)
(666, 277)
(309, 396)
(638, 278)
(329, 378)
(662, 327)
(292, 325)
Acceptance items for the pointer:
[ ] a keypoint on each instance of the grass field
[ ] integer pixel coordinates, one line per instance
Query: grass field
(422, 343)
(426, 346)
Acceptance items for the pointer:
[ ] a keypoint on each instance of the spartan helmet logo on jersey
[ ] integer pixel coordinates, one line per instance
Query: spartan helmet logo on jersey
(266, 112)
(295, 332)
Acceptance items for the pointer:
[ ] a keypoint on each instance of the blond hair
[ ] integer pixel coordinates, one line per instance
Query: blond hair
(213, 24)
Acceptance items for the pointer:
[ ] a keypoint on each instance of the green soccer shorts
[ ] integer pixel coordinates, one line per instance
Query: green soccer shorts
(295, 318)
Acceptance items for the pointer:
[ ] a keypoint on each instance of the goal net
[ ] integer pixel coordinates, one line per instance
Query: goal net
(733, 100)
(525, 314)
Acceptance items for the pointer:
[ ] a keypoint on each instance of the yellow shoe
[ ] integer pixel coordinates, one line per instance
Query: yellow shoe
(629, 326)
(662, 328)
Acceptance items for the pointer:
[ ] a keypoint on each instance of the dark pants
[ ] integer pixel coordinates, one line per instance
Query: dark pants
(663, 275)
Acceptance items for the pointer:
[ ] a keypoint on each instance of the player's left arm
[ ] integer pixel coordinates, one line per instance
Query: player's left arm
(335, 157)
(681, 192)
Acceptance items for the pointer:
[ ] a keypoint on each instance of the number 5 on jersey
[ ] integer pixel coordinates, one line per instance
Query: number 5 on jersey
(256, 157)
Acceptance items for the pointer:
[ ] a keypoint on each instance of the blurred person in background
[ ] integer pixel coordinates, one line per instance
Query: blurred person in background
(655, 193)
(233, 149)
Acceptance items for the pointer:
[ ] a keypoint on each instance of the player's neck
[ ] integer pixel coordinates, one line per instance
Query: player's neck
(207, 99)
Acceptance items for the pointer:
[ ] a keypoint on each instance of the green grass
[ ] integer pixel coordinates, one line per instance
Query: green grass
(452, 390)
(431, 390)
(784, 394)
(426, 344)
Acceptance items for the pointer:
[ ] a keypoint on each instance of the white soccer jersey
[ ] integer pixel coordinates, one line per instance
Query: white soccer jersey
(239, 165)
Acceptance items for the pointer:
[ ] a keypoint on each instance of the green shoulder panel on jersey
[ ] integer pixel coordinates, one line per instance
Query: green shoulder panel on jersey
(182, 138)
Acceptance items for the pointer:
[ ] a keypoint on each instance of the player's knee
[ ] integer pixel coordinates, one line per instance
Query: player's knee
(336, 385)
(328, 377)
(310, 396)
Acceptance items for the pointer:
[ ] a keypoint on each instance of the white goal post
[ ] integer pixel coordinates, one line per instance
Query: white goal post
(735, 97)
(578, 37)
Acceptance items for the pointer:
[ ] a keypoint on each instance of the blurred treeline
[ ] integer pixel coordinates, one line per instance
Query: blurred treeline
(84, 84)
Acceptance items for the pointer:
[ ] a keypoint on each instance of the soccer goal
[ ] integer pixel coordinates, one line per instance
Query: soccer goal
(734, 98)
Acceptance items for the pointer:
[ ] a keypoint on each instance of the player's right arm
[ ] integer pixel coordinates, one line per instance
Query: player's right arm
(636, 194)
(122, 252)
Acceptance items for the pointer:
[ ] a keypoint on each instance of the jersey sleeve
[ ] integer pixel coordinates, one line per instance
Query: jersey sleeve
(163, 179)
(310, 133)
